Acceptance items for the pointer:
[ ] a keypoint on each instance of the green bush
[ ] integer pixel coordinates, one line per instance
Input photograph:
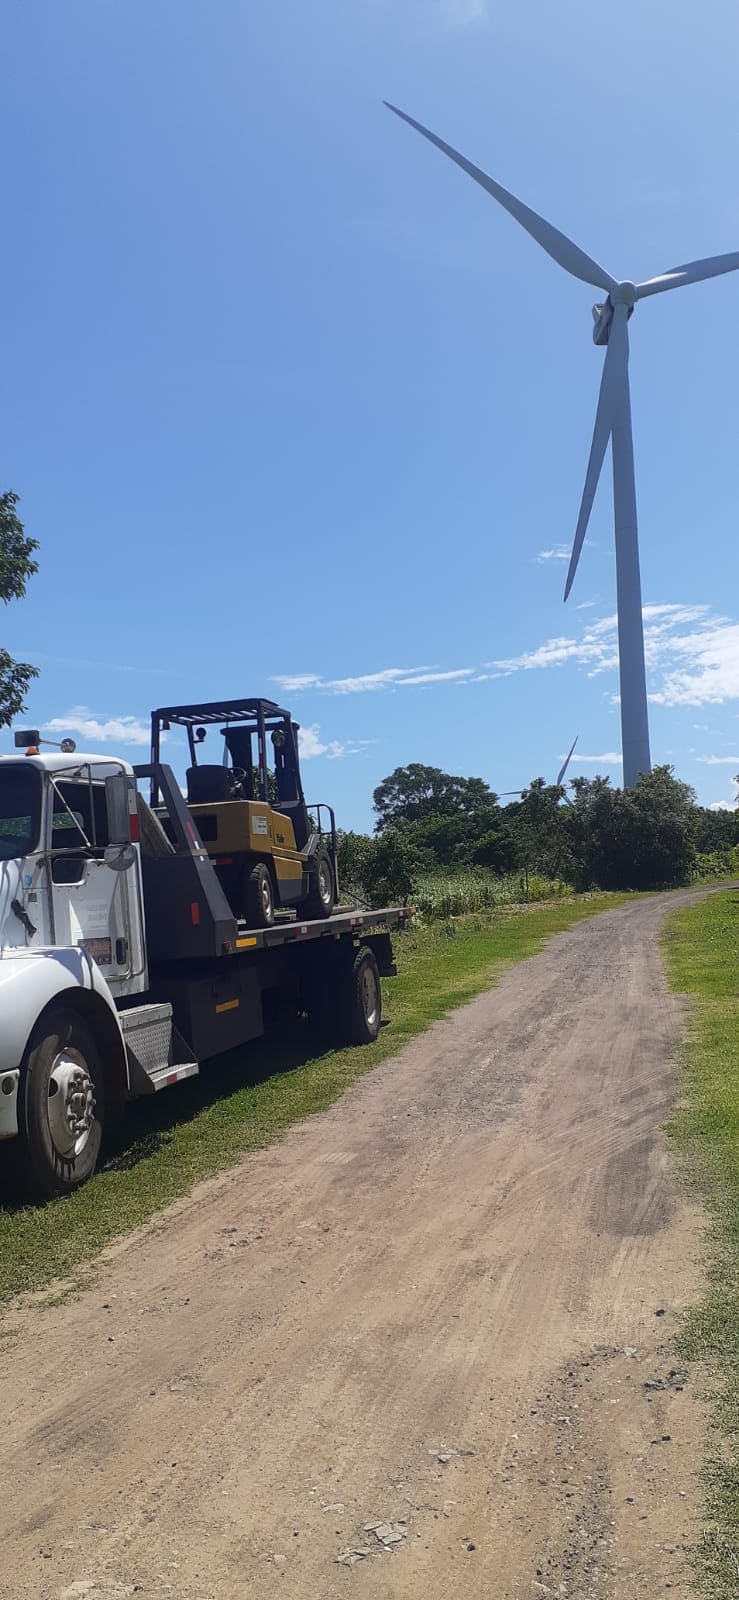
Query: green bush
(717, 864)
(455, 894)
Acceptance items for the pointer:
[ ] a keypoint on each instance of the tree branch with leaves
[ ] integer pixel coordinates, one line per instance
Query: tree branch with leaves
(17, 565)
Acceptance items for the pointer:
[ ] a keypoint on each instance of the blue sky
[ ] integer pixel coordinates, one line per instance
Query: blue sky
(293, 408)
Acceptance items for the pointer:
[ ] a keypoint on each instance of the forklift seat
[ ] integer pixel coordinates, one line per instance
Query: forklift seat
(209, 784)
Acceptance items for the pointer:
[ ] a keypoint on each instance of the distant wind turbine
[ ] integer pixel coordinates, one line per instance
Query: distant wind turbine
(558, 780)
(612, 422)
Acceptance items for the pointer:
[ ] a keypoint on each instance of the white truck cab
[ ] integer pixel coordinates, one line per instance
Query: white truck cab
(61, 824)
(71, 937)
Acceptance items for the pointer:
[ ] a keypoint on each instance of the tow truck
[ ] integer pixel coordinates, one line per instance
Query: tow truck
(123, 966)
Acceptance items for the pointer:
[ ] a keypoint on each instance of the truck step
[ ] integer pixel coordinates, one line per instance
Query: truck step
(164, 1077)
(157, 1054)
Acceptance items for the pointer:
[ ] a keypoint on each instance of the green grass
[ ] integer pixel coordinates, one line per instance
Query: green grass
(456, 893)
(702, 947)
(245, 1100)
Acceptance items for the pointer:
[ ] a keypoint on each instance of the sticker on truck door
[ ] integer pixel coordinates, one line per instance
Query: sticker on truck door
(259, 825)
(100, 950)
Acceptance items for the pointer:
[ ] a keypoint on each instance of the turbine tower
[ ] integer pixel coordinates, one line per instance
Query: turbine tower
(612, 422)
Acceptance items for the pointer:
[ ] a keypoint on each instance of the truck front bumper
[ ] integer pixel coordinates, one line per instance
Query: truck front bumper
(9, 1103)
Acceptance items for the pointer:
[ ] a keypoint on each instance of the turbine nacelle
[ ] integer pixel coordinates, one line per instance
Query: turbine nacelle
(624, 294)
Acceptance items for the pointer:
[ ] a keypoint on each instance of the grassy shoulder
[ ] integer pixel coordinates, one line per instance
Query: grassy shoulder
(245, 1100)
(702, 949)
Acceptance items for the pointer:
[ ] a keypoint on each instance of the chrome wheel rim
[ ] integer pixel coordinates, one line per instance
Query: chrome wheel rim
(267, 895)
(324, 882)
(370, 995)
(71, 1104)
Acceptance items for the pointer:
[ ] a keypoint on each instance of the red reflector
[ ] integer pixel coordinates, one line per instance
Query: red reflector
(195, 913)
(223, 861)
(134, 830)
(172, 1078)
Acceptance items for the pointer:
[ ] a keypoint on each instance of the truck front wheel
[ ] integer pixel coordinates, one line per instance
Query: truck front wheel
(60, 1106)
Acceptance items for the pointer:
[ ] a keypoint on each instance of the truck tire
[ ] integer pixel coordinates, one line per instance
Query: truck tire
(259, 897)
(61, 1107)
(320, 902)
(360, 998)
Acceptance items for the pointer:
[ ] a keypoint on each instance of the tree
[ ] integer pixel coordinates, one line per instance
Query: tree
(380, 870)
(417, 793)
(717, 830)
(538, 823)
(16, 567)
(640, 838)
(441, 815)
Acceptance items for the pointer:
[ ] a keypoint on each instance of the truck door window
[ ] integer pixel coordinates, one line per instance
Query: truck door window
(88, 817)
(20, 811)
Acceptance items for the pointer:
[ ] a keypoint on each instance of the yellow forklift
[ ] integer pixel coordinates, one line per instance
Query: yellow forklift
(272, 852)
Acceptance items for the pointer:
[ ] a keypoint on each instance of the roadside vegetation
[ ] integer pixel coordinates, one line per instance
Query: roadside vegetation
(246, 1099)
(445, 844)
(702, 948)
(17, 565)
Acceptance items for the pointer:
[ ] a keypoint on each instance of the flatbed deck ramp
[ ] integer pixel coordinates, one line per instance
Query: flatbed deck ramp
(423, 1346)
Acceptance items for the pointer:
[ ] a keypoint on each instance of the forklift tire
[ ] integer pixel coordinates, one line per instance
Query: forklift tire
(320, 902)
(61, 1108)
(259, 897)
(360, 998)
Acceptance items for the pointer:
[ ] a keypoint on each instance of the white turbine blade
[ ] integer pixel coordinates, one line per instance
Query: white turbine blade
(566, 763)
(556, 244)
(692, 272)
(615, 370)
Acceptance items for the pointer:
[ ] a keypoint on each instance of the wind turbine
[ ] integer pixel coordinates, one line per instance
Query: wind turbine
(560, 775)
(612, 422)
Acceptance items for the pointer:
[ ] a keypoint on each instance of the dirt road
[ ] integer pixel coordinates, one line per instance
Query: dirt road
(445, 1307)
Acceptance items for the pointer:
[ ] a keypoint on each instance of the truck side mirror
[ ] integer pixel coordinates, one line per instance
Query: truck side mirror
(119, 857)
(122, 808)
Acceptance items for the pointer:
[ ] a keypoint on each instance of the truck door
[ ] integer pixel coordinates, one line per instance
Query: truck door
(93, 906)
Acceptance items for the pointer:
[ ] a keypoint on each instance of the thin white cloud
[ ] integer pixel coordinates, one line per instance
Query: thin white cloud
(30, 654)
(117, 730)
(560, 552)
(609, 758)
(692, 656)
(369, 682)
(719, 761)
(301, 680)
(692, 653)
(709, 673)
(461, 12)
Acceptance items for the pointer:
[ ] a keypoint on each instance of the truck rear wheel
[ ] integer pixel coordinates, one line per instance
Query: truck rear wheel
(61, 1107)
(360, 998)
(320, 902)
(259, 896)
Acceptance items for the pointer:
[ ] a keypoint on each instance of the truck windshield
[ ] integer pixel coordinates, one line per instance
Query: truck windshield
(20, 810)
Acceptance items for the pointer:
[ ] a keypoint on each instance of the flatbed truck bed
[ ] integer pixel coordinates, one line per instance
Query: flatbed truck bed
(343, 920)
